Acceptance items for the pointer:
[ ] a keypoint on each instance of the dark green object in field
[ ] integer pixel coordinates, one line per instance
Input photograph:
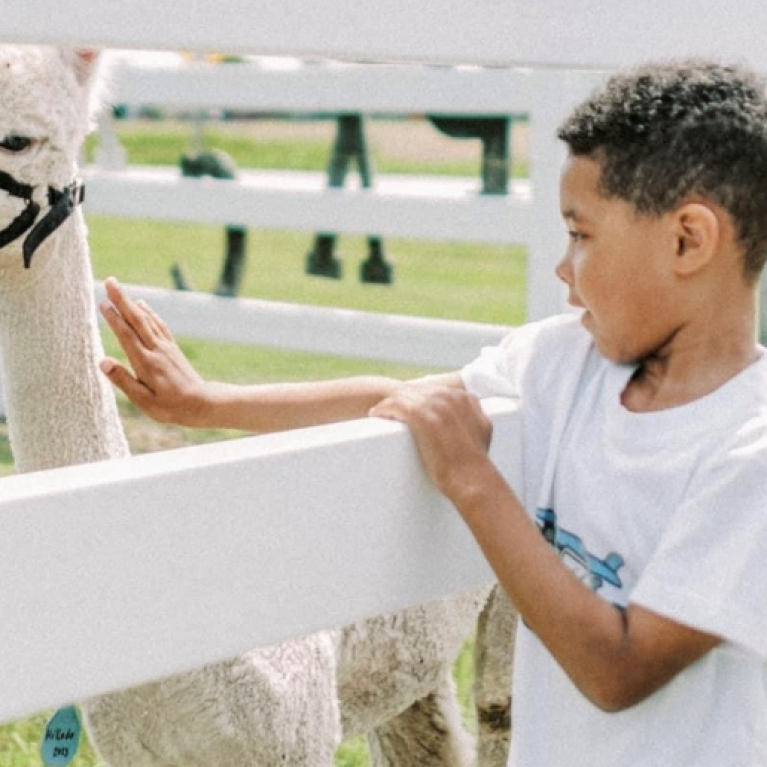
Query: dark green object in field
(217, 164)
(493, 132)
(213, 163)
(349, 146)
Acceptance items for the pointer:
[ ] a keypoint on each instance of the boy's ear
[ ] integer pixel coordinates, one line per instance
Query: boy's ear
(698, 232)
(83, 61)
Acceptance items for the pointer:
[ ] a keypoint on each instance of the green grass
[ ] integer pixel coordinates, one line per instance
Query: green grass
(449, 280)
(151, 144)
(163, 143)
(457, 281)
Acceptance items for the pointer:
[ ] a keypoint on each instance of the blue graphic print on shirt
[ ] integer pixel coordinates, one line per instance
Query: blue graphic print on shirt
(593, 571)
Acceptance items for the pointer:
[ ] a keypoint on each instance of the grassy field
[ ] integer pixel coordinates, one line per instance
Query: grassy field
(458, 281)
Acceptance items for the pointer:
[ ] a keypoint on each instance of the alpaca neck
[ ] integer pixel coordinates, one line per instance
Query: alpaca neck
(60, 408)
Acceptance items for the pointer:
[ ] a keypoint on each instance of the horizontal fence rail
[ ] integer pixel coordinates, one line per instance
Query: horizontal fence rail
(160, 563)
(292, 85)
(421, 208)
(564, 33)
(322, 330)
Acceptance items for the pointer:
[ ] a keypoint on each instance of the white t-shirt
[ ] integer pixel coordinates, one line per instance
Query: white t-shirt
(665, 509)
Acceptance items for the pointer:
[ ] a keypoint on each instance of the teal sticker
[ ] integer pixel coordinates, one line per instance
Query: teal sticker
(62, 738)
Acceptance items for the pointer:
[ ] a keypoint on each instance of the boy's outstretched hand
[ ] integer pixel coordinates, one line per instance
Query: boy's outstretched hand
(163, 384)
(452, 434)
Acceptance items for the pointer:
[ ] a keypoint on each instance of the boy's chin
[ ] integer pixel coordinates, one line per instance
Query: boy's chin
(615, 353)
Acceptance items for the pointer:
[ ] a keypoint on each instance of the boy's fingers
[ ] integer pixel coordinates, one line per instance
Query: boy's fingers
(128, 384)
(159, 323)
(126, 334)
(133, 313)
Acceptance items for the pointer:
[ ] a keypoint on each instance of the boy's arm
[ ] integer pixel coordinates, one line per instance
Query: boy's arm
(616, 659)
(164, 385)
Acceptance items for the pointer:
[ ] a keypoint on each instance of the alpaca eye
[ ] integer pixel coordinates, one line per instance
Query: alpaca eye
(15, 144)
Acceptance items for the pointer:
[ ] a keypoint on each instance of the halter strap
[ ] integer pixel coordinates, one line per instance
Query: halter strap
(15, 188)
(62, 203)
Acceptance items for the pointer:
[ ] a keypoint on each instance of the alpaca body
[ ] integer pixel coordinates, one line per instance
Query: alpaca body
(274, 705)
(289, 704)
(279, 703)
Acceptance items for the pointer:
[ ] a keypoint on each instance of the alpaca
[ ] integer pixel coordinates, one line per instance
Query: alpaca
(292, 703)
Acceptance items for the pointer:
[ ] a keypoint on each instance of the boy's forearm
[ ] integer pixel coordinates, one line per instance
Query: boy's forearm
(164, 385)
(550, 599)
(616, 659)
(278, 407)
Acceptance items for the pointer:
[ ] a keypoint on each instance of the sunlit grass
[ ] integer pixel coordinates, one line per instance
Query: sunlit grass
(163, 143)
(478, 283)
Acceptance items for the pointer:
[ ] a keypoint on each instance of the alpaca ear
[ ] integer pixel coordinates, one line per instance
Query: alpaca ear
(83, 62)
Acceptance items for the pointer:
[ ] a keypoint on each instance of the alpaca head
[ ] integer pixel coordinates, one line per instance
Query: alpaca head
(45, 113)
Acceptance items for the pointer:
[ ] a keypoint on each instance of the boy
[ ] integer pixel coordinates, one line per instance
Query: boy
(645, 425)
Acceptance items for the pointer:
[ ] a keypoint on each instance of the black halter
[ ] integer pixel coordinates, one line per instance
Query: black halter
(62, 203)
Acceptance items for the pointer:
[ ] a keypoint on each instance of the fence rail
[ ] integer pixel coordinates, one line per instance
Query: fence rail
(160, 563)
(291, 85)
(563, 33)
(323, 330)
(431, 209)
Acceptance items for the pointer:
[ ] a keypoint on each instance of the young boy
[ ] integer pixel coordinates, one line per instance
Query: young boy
(645, 425)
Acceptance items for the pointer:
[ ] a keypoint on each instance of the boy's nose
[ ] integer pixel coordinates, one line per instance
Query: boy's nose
(564, 270)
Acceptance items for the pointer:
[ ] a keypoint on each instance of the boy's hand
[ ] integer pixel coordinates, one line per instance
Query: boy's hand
(452, 434)
(164, 385)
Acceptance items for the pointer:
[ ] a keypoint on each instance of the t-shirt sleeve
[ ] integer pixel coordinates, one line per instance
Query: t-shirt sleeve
(485, 376)
(499, 371)
(710, 568)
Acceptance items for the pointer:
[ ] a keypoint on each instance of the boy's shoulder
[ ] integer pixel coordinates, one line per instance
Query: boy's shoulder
(559, 330)
(556, 345)
(744, 398)
(533, 356)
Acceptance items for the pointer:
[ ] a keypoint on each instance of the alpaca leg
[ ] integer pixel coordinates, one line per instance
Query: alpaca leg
(493, 658)
(388, 662)
(429, 733)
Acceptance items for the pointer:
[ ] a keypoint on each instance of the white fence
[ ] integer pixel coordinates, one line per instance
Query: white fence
(115, 577)
(560, 33)
(343, 332)
(158, 563)
(437, 208)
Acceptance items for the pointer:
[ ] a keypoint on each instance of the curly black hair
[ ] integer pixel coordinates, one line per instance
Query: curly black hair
(666, 132)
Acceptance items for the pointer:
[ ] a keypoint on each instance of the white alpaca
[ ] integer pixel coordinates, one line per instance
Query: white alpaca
(290, 704)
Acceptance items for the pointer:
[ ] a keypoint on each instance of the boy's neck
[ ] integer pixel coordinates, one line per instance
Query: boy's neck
(700, 358)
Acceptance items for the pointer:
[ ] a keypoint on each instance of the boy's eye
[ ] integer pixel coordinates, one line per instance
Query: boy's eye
(15, 144)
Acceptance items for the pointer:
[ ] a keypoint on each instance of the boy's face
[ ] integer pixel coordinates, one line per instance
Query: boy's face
(618, 266)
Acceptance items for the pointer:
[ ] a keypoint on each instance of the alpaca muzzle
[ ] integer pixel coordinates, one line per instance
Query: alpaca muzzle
(62, 203)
